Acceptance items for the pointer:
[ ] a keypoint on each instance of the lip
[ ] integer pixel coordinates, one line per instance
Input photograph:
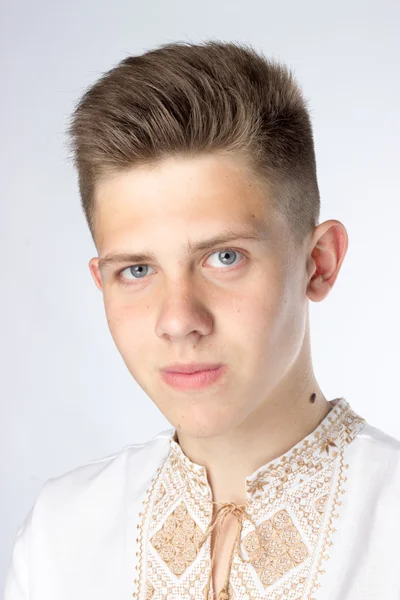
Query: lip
(195, 380)
(191, 367)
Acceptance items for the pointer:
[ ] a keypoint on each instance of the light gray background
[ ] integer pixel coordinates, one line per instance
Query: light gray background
(66, 395)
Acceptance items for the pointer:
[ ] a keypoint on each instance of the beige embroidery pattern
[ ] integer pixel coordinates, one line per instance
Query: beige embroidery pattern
(177, 542)
(282, 548)
(294, 500)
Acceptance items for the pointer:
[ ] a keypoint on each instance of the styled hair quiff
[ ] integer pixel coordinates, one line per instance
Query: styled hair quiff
(184, 99)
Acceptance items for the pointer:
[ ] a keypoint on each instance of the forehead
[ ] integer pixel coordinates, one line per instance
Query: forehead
(197, 192)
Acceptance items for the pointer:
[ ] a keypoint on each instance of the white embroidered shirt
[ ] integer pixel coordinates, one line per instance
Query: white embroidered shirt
(323, 523)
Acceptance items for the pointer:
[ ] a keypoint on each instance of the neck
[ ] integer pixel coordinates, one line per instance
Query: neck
(283, 420)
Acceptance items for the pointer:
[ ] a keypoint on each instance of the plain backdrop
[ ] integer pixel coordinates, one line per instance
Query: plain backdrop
(66, 395)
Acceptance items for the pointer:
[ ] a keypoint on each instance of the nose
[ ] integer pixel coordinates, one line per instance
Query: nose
(182, 312)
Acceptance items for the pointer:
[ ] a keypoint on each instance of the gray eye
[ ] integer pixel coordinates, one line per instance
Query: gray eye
(137, 271)
(225, 257)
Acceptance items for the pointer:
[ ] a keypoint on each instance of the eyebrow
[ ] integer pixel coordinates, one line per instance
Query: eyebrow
(227, 235)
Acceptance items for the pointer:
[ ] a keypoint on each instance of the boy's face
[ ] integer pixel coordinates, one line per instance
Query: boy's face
(241, 303)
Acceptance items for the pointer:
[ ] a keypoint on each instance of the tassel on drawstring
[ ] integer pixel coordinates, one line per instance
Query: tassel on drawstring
(223, 595)
(237, 510)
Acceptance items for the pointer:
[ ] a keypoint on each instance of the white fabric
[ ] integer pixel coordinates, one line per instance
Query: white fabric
(89, 535)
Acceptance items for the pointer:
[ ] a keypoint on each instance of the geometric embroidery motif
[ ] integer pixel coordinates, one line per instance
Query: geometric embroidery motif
(149, 591)
(160, 495)
(282, 548)
(320, 503)
(304, 484)
(178, 540)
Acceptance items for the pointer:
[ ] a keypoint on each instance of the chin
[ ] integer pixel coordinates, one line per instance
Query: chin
(206, 415)
(204, 427)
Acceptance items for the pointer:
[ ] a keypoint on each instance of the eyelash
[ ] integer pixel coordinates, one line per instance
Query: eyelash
(124, 283)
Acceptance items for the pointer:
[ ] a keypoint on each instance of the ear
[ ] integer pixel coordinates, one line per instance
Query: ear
(328, 248)
(95, 271)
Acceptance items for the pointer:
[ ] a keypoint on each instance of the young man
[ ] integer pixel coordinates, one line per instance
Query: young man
(198, 182)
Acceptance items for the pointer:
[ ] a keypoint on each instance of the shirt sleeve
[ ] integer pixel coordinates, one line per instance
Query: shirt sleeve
(17, 579)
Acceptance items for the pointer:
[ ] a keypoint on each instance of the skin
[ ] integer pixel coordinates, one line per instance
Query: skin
(252, 315)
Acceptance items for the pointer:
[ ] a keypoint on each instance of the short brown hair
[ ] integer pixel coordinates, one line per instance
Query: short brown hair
(185, 99)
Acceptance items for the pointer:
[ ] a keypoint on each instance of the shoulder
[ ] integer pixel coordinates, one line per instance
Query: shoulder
(376, 441)
(77, 514)
(105, 481)
(376, 455)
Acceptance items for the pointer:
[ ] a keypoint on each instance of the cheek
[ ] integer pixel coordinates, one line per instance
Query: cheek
(267, 325)
(128, 326)
(257, 314)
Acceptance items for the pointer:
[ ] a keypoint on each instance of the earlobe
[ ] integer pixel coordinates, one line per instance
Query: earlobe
(318, 288)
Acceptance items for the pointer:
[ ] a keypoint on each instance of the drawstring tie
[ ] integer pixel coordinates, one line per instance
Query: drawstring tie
(237, 510)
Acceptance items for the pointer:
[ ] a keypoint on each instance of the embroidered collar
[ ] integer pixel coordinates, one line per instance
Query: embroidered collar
(308, 457)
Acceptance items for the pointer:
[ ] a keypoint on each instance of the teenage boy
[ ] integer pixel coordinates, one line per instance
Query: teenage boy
(198, 181)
